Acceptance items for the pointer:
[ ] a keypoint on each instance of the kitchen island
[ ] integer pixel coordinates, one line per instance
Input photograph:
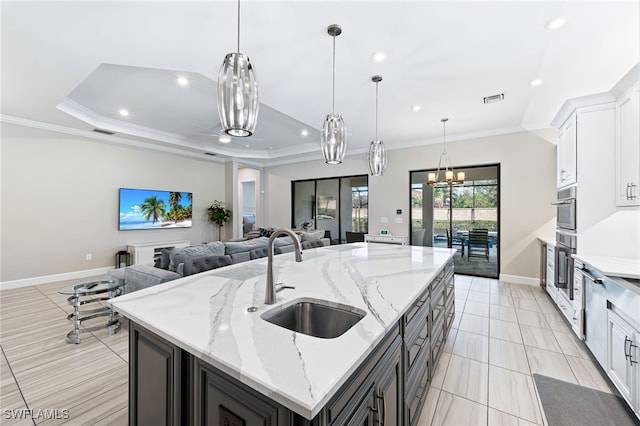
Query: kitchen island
(201, 352)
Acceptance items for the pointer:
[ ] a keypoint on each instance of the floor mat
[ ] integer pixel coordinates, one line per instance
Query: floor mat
(566, 404)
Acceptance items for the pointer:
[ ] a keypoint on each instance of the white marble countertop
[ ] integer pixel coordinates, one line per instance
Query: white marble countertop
(613, 266)
(206, 314)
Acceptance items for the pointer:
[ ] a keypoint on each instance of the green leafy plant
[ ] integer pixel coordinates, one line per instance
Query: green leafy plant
(218, 214)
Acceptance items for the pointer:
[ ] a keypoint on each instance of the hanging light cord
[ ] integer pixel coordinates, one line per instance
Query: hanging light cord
(376, 110)
(333, 104)
(238, 26)
(444, 137)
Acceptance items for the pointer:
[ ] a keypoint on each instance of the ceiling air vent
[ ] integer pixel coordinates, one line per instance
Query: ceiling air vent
(104, 132)
(494, 98)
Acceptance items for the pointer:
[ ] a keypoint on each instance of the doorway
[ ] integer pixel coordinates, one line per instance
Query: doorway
(465, 217)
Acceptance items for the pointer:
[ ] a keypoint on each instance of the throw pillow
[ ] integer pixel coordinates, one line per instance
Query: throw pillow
(313, 235)
(233, 247)
(266, 232)
(164, 259)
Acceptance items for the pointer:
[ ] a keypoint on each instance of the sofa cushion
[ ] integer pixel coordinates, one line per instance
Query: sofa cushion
(233, 247)
(164, 259)
(180, 255)
(258, 253)
(284, 241)
(137, 277)
(284, 249)
(240, 257)
(216, 248)
(312, 235)
(315, 243)
(204, 263)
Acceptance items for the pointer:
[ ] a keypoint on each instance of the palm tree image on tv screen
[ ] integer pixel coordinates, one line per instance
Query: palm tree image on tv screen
(150, 209)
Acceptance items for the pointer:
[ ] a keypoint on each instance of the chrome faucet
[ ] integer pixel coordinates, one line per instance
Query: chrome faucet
(270, 295)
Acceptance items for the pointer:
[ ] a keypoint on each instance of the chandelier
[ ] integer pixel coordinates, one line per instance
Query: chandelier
(238, 93)
(444, 165)
(377, 151)
(333, 138)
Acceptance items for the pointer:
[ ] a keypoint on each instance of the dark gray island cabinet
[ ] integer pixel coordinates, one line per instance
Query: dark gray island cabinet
(168, 385)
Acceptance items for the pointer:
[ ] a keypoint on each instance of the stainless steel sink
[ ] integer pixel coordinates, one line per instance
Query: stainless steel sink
(316, 318)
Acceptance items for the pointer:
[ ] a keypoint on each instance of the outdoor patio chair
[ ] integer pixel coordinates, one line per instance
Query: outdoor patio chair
(478, 243)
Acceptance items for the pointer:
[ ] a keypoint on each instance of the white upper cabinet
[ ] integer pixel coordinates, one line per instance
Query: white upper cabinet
(567, 150)
(628, 148)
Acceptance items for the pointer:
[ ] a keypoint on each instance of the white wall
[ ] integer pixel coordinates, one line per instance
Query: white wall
(60, 200)
(528, 164)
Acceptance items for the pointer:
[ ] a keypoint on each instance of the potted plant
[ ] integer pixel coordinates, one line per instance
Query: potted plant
(218, 214)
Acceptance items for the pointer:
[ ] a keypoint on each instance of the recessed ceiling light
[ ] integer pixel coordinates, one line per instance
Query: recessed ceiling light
(536, 82)
(182, 81)
(224, 139)
(416, 108)
(554, 24)
(304, 132)
(379, 56)
(270, 147)
(123, 112)
(247, 146)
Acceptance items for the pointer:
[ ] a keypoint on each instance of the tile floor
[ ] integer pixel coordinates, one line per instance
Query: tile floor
(502, 334)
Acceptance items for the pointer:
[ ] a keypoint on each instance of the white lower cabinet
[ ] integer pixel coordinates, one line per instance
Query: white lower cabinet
(623, 358)
(550, 279)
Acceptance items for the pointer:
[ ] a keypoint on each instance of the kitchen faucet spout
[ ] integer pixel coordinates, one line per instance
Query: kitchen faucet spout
(270, 294)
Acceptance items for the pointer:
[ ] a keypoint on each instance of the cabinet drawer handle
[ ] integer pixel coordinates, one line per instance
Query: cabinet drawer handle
(591, 277)
(632, 191)
(382, 413)
(631, 345)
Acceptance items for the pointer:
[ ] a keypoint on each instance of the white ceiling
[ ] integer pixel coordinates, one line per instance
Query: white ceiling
(70, 66)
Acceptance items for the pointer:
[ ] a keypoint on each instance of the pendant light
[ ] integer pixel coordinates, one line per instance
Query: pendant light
(334, 133)
(238, 93)
(449, 178)
(377, 151)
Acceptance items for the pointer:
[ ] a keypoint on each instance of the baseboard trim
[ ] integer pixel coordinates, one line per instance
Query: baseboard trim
(516, 279)
(26, 282)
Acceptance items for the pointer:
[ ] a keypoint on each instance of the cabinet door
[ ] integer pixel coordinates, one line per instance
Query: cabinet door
(219, 401)
(388, 407)
(155, 381)
(567, 149)
(619, 339)
(628, 148)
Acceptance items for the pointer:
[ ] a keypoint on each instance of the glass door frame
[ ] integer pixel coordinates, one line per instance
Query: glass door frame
(498, 208)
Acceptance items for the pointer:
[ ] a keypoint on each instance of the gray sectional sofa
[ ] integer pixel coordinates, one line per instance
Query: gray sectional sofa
(181, 262)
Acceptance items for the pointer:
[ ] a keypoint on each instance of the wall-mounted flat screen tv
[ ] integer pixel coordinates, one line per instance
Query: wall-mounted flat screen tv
(150, 209)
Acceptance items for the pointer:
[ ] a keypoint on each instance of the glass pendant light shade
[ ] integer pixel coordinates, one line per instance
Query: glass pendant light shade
(333, 139)
(377, 152)
(238, 95)
(377, 158)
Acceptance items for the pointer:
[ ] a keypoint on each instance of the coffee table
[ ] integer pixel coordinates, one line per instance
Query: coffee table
(80, 295)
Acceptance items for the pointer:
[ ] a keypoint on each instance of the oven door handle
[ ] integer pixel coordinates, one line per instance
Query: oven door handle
(563, 202)
(591, 277)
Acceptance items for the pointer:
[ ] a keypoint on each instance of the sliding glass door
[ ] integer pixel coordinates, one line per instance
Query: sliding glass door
(335, 205)
(465, 217)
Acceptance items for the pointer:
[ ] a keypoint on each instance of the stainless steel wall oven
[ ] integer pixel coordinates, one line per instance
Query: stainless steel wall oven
(565, 247)
(566, 209)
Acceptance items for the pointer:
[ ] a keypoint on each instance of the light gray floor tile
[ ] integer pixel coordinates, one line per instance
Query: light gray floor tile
(476, 296)
(513, 393)
(453, 410)
(471, 345)
(522, 291)
(498, 418)
(451, 339)
(476, 308)
(459, 305)
(505, 330)
(588, 374)
(429, 408)
(474, 324)
(470, 380)
(539, 338)
(550, 364)
(501, 300)
(526, 304)
(571, 345)
(508, 355)
(503, 313)
(536, 319)
(441, 370)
